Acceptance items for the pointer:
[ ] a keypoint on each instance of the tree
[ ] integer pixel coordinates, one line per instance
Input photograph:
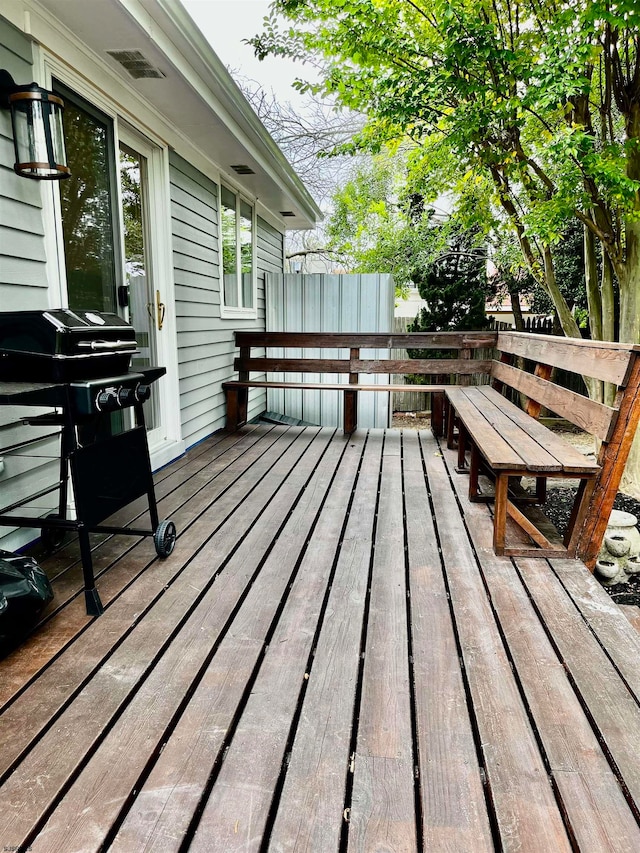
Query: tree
(382, 221)
(454, 286)
(542, 100)
(493, 81)
(308, 134)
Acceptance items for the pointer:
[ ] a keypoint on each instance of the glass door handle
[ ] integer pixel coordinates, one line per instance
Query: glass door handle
(160, 310)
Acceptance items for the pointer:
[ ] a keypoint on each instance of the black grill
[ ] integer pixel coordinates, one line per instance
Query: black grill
(78, 363)
(63, 346)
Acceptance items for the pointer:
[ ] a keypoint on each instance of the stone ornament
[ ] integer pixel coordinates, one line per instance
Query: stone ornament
(619, 556)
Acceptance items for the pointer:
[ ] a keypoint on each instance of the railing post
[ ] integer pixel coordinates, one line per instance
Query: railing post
(465, 355)
(245, 355)
(612, 459)
(544, 372)
(350, 414)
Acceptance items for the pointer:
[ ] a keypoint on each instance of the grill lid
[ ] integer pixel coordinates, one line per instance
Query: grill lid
(61, 345)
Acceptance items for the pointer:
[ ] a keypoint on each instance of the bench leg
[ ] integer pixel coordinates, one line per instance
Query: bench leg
(350, 411)
(461, 467)
(232, 409)
(237, 405)
(437, 413)
(500, 513)
(578, 515)
(451, 419)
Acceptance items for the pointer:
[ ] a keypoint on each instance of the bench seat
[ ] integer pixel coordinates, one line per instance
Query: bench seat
(508, 444)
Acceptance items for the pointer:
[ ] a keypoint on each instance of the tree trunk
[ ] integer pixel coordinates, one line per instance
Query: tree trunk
(608, 317)
(567, 320)
(594, 297)
(516, 309)
(630, 333)
(630, 287)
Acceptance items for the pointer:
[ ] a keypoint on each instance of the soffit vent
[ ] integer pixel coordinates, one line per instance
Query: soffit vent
(136, 64)
(287, 213)
(241, 169)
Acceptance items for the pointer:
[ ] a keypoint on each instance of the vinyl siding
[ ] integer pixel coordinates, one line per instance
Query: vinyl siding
(23, 285)
(23, 277)
(205, 339)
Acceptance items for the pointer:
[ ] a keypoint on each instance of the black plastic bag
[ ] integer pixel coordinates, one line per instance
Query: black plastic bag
(24, 592)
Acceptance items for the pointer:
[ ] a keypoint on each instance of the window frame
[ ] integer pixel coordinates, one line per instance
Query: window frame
(239, 310)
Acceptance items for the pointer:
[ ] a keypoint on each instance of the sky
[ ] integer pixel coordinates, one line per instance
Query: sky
(225, 23)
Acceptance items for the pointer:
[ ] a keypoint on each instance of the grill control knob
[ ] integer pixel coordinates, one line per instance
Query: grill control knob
(126, 397)
(107, 400)
(142, 392)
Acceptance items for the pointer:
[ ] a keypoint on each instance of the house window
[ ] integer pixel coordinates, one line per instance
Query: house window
(238, 250)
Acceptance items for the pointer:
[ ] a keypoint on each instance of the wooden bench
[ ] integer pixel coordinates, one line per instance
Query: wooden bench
(508, 442)
(460, 367)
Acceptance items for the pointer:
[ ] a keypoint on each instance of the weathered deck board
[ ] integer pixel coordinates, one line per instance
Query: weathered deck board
(526, 811)
(382, 810)
(332, 659)
(313, 798)
(454, 810)
(578, 766)
(236, 813)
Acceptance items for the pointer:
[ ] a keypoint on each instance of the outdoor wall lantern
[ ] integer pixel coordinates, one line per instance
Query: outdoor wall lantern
(36, 122)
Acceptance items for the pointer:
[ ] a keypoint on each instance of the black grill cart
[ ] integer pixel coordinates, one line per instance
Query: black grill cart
(77, 365)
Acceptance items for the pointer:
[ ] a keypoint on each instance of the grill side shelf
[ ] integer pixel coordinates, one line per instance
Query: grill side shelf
(32, 394)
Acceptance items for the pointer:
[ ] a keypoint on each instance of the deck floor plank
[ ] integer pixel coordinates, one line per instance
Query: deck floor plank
(237, 811)
(579, 768)
(526, 811)
(312, 804)
(125, 563)
(382, 812)
(95, 802)
(454, 810)
(162, 812)
(109, 689)
(33, 710)
(321, 668)
(613, 708)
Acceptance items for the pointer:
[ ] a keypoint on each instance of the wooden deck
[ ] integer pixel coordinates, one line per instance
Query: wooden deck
(332, 659)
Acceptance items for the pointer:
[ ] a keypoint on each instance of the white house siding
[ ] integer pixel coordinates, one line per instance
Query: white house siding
(205, 339)
(23, 285)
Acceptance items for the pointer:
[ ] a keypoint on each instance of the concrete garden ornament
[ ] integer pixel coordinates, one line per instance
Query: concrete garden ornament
(619, 556)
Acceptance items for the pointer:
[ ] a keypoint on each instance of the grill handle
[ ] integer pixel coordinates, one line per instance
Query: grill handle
(108, 345)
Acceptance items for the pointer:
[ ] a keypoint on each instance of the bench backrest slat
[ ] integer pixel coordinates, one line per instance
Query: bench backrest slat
(292, 365)
(597, 359)
(422, 366)
(348, 340)
(589, 415)
(426, 367)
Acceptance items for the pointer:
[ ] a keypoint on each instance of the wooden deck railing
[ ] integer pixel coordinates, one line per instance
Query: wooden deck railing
(460, 365)
(613, 426)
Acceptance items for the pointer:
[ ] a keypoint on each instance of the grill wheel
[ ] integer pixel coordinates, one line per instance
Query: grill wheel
(165, 538)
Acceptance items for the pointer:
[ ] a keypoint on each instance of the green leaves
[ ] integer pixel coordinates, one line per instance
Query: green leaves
(533, 107)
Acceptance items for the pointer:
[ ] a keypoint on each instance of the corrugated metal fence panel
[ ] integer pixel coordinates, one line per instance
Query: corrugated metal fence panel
(329, 303)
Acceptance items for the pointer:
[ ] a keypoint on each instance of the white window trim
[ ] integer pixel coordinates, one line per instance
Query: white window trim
(230, 312)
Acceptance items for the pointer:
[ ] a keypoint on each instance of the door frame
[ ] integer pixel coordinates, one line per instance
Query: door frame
(168, 446)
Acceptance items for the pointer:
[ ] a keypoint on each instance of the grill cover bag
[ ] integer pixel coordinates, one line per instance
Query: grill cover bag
(24, 592)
